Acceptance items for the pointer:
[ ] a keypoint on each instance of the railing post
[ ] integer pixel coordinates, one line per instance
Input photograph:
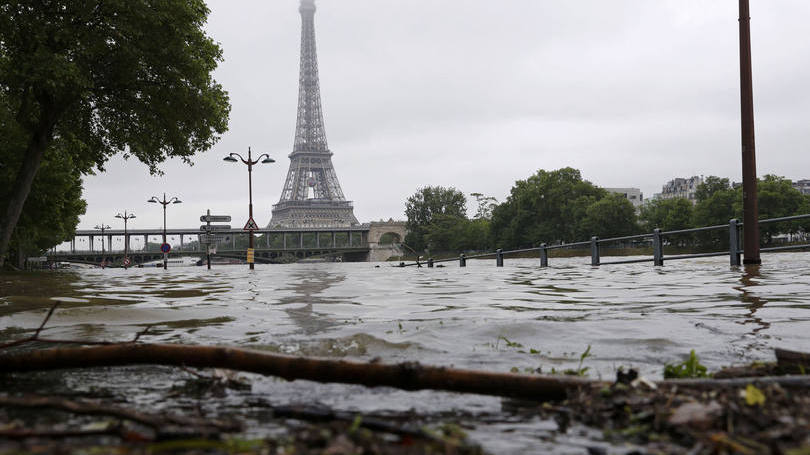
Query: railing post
(594, 250)
(543, 255)
(733, 242)
(430, 263)
(499, 257)
(658, 248)
(462, 260)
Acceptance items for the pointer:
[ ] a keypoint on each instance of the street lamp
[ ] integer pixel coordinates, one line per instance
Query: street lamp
(126, 217)
(164, 203)
(102, 228)
(251, 224)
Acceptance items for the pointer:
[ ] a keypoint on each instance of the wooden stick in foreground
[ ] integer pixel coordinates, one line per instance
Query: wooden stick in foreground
(407, 376)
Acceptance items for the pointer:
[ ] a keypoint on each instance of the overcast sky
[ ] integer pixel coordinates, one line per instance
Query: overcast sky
(476, 94)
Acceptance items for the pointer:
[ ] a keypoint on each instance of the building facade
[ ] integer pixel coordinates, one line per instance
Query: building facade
(681, 188)
(634, 195)
(803, 186)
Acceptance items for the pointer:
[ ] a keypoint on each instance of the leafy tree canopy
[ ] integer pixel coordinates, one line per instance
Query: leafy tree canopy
(547, 207)
(611, 216)
(667, 214)
(106, 77)
(428, 203)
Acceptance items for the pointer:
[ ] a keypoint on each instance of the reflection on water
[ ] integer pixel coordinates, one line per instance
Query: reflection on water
(479, 317)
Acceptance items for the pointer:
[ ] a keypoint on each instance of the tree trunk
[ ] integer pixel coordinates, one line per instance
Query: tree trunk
(34, 153)
(406, 376)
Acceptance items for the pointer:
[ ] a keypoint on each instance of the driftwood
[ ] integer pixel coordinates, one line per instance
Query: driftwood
(154, 421)
(407, 376)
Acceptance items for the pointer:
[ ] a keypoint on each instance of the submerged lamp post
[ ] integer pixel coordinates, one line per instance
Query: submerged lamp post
(102, 227)
(126, 217)
(165, 246)
(749, 160)
(251, 224)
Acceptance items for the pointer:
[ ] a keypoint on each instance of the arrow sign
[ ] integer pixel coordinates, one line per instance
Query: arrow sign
(251, 225)
(215, 218)
(215, 227)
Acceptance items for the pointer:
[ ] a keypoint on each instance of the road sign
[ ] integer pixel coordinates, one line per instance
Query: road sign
(165, 248)
(126, 262)
(250, 255)
(215, 218)
(211, 238)
(251, 225)
(215, 227)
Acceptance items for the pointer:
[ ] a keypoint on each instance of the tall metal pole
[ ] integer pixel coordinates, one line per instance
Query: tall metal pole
(250, 162)
(749, 161)
(103, 253)
(250, 201)
(165, 254)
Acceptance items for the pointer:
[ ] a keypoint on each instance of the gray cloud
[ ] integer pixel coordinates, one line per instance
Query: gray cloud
(477, 94)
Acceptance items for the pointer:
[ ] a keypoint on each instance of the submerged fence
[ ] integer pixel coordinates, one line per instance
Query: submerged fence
(658, 241)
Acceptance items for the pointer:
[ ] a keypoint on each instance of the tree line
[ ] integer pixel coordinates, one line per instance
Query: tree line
(559, 206)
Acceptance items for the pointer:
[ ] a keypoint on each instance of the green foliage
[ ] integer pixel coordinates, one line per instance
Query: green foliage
(690, 368)
(711, 185)
(425, 205)
(51, 212)
(778, 198)
(547, 207)
(116, 76)
(667, 214)
(580, 371)
(611, 216)
(88, 80)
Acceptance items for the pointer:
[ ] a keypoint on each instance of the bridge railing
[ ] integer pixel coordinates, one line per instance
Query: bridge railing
(657, 239)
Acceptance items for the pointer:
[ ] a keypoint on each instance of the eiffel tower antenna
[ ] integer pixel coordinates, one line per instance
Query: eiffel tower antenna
(311, 196)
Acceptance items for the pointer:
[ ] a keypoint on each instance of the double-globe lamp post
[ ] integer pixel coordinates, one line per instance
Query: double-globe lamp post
(164, 203)
(126, 216)
(102, 227)
(232, 158)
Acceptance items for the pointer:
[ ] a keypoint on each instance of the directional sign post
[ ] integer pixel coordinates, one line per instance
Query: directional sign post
(215, 227)
(215, 218)
(208, 238)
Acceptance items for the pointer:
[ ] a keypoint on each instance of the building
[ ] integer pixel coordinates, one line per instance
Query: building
(634, 195)
(311, 197)
(803, 186)
(681, 188)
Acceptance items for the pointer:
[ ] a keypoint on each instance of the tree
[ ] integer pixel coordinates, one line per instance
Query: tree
(711, 185)
(611, 216)
(486, 204)
(106, 77)
(427, 203)
(668, 215)
(778, 198)
(547, 207)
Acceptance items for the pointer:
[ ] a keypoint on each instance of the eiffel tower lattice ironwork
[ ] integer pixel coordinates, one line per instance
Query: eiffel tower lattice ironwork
(311, 196)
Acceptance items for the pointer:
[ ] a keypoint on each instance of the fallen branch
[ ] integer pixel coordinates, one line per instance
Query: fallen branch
(62, 434)
(406, 376)
(156, 422)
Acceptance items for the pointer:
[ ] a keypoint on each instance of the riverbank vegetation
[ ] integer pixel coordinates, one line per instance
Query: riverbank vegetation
(559, 206)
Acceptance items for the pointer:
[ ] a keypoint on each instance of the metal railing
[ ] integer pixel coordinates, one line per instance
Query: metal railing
(658, 241)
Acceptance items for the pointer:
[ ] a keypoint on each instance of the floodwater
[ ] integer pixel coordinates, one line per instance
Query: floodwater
(479, 317)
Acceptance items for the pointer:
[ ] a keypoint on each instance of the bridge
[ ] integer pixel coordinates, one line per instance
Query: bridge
(376, 241)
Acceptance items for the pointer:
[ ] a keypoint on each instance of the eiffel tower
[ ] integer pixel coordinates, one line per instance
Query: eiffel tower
(311, 196)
